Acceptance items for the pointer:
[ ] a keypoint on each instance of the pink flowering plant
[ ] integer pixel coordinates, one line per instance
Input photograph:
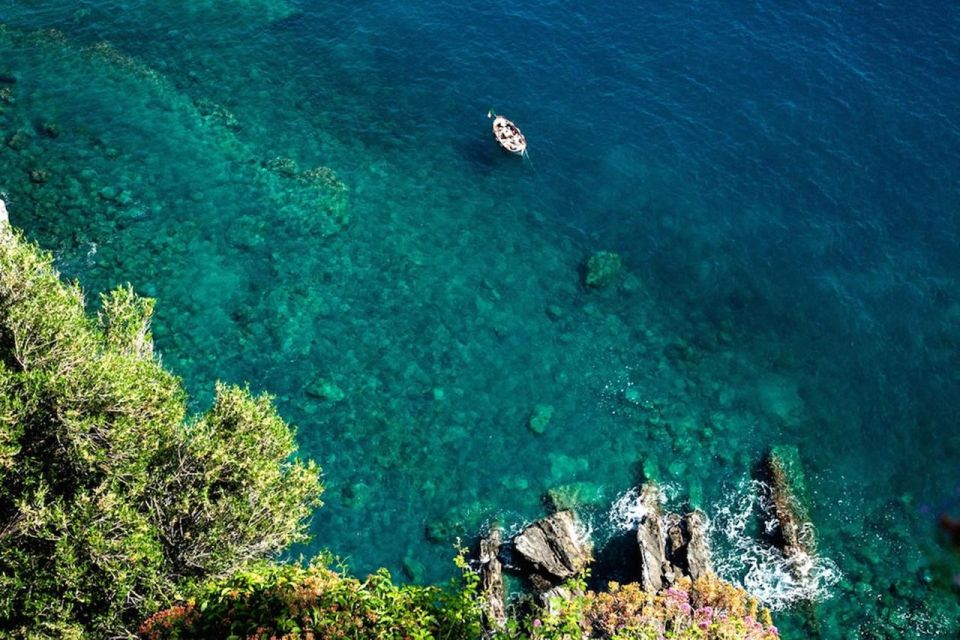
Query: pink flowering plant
(705, 609)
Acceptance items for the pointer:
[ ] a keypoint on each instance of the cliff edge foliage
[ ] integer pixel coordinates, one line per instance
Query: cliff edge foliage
(113, 502)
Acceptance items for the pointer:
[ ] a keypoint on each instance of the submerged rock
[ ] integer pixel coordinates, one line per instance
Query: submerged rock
(48, 129)
(491, 580)
(555, 546)
(286, 167)
(18, 140)
(412, 568)
(573, 495)
(563, 467)
(602, 269)
(540, 418)
(325, 390)
(39, 176)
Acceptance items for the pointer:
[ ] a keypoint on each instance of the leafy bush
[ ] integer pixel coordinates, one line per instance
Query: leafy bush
(112, 502)
(289, 601)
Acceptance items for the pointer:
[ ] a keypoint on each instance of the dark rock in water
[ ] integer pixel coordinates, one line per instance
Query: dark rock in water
(795, 535)
(491, 580)
(413, 569)
(39, 176)
(286, 167)
(7, 78)
(555, 546)
(18, 140)
(217, 114)
(602, 269)
(442, 532)
(652, 539)
(48, 129)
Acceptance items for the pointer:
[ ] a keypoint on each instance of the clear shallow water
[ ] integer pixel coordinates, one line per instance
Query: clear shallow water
(781, 183)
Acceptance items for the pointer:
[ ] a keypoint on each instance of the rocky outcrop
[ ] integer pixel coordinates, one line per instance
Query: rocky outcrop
(651, 539)
(4, 218)
(670, 546)
(794, 535)
(698, 546)
(491, 580)
(555, 546)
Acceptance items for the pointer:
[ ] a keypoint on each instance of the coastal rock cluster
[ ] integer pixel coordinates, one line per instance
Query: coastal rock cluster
(672, 546)
(546, 553)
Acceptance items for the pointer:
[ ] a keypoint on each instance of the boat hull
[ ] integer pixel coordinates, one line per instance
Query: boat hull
(508, 136)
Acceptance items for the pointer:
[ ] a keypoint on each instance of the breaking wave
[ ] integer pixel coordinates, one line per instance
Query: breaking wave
(626, 512)
(739, 556)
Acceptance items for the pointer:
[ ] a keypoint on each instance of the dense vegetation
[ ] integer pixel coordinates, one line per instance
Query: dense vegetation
(113, 502)
(316, 603)
(121, 516)
(289, 601)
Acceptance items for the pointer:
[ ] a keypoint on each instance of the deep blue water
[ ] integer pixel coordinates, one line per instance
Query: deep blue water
(781, 180)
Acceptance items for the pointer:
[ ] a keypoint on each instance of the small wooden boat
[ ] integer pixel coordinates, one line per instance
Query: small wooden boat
(508, 134)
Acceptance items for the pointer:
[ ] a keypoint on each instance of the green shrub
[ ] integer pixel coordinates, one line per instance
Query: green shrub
(317, 603)
(112, 502)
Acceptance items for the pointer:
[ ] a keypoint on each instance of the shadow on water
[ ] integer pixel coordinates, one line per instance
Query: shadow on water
(482, 154)
(618, 560)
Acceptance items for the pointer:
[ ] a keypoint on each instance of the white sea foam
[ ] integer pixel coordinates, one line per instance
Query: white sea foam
(626, 512)
(765, 572)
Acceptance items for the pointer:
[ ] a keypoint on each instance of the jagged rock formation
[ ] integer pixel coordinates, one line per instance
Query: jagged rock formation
(491, 579)
(651, 539)
(698, 548)
(785, 477)
(670, 546)
(554, 546)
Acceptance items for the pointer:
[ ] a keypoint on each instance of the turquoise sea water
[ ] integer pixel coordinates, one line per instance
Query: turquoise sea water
(311, 191)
